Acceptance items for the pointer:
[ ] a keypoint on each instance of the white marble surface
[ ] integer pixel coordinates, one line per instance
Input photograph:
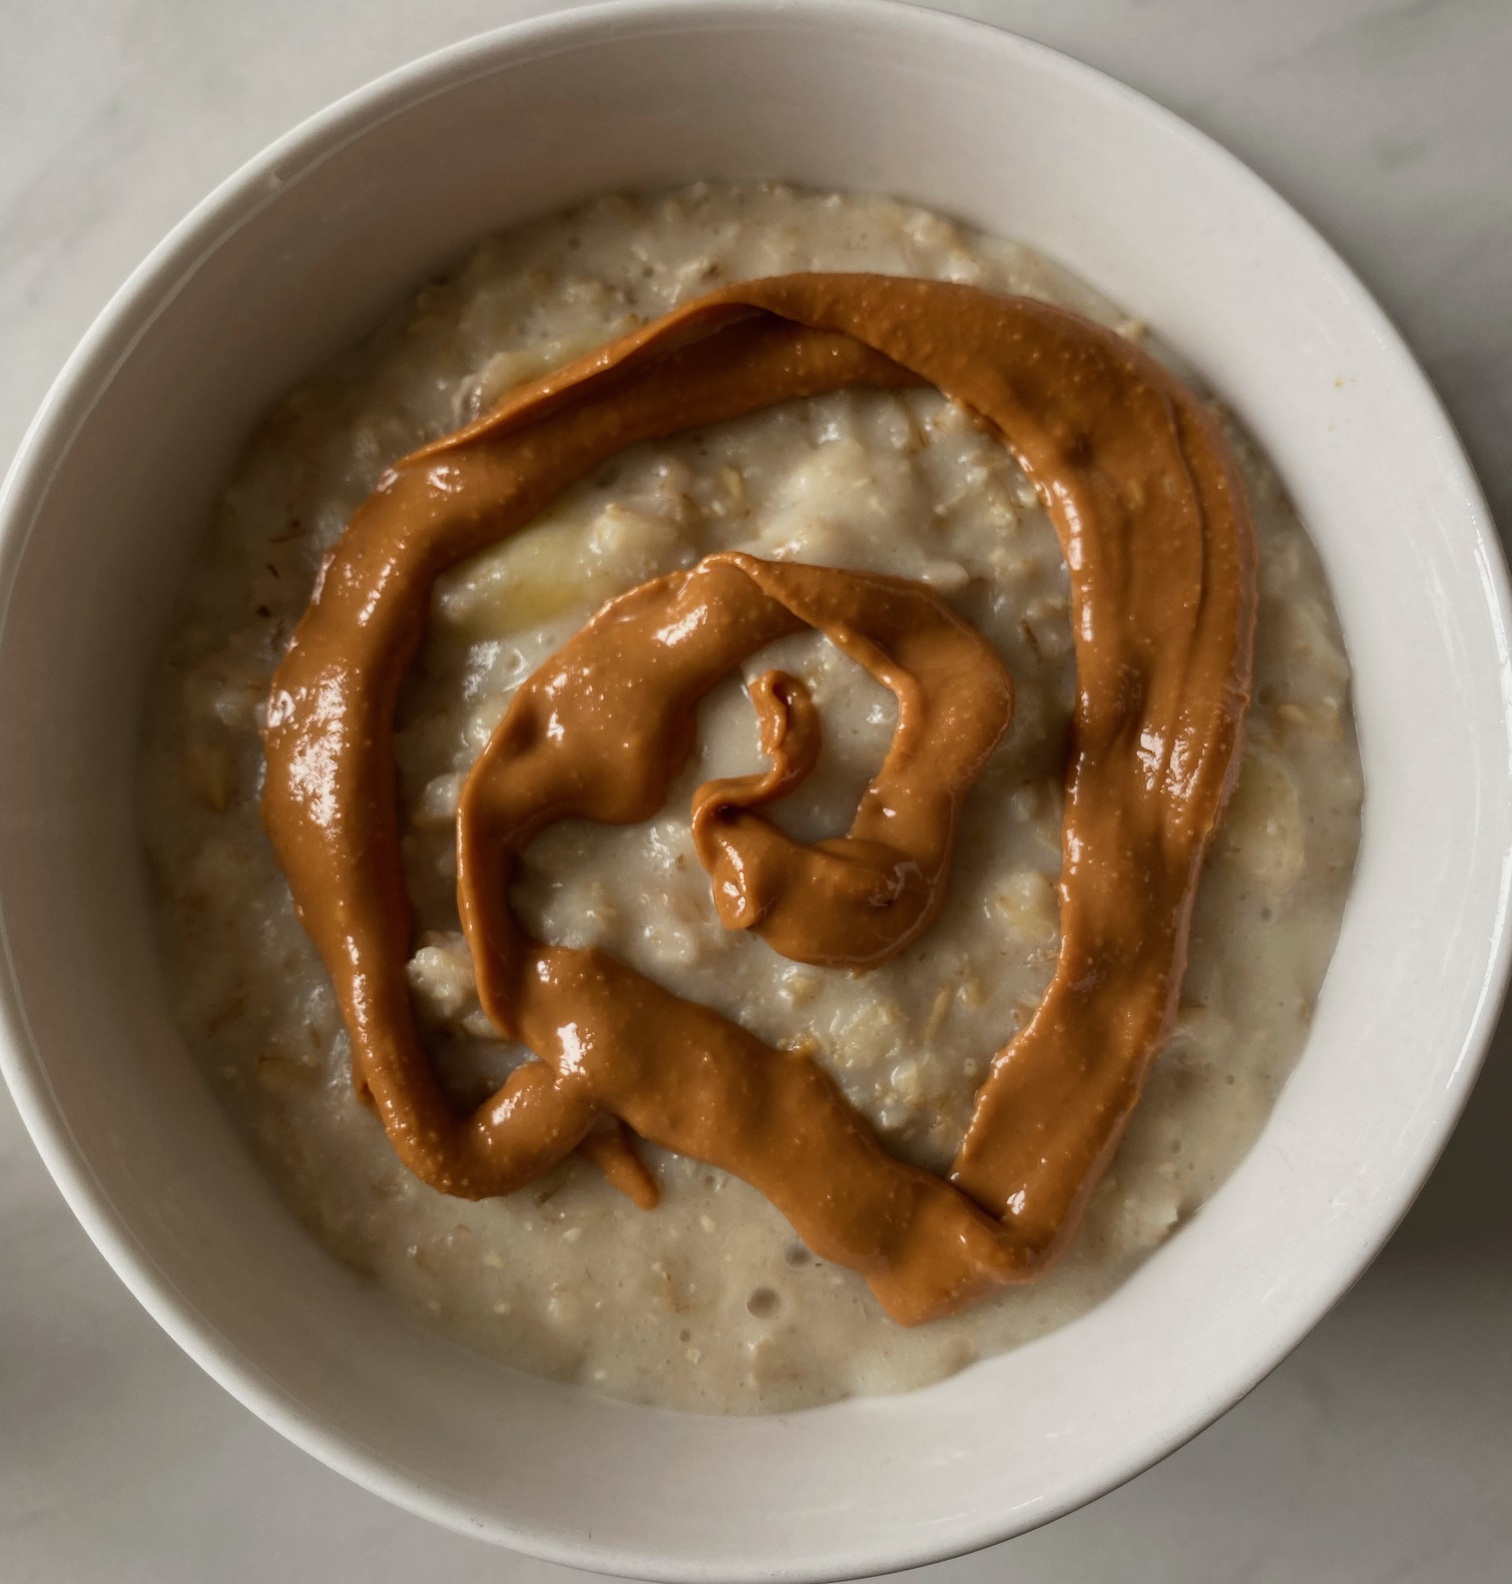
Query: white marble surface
(1381, 1450)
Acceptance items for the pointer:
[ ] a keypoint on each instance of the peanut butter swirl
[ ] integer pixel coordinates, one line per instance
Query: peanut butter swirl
(1156, 534)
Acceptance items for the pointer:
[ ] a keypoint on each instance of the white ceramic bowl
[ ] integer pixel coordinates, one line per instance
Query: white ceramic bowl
(291, 260)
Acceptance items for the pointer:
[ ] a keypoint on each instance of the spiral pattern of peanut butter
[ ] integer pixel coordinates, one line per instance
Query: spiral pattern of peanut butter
(1156, 534)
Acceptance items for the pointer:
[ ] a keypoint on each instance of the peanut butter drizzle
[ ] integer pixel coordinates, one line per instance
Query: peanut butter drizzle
(1157, 537)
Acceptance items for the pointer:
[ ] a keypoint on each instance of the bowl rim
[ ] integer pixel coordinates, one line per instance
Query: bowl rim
(129, 315)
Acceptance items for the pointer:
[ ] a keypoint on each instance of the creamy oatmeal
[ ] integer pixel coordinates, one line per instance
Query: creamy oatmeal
(709, 1302)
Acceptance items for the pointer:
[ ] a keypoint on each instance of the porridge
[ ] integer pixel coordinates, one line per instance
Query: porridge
(709, 1301)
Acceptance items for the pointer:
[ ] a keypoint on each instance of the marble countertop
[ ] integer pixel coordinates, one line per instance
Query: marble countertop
(1381, 1449)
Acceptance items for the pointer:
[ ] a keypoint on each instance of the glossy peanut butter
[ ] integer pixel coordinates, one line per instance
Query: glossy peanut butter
(1160, 550)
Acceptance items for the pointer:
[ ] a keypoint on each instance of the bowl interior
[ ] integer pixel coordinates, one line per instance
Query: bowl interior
(296, 257)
